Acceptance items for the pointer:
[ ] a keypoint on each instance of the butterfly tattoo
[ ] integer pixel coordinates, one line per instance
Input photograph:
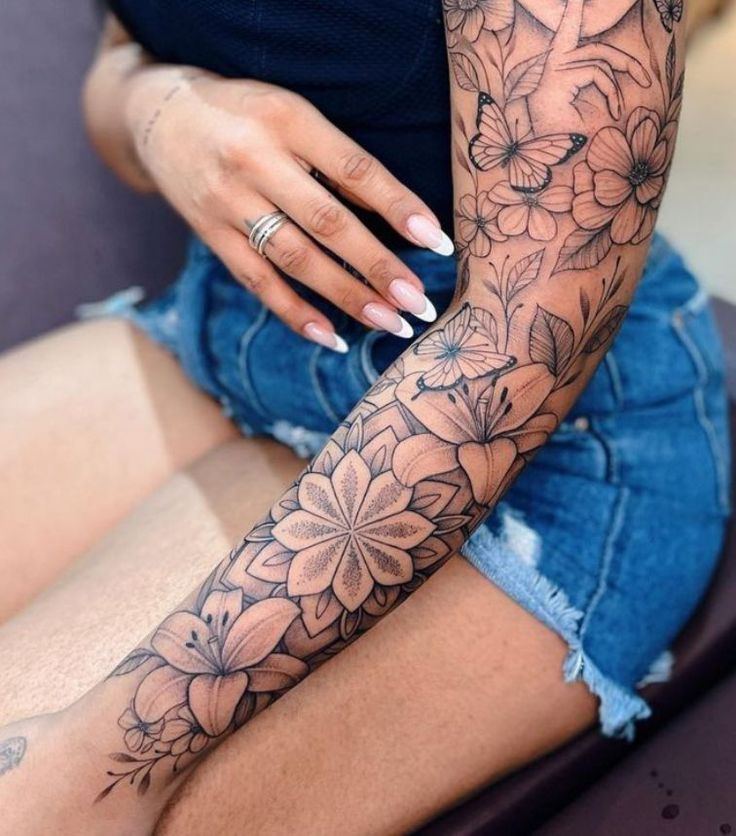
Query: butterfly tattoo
(670, 12)
(528, 158)
(11, 753)
(461, 351)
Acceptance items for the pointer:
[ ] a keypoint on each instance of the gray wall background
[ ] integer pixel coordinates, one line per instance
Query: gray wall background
(69, 232)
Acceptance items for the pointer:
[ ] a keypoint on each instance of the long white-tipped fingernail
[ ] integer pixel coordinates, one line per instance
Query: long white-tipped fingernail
(387, 320)
(408, 298)
(329, 339)
(426, 232)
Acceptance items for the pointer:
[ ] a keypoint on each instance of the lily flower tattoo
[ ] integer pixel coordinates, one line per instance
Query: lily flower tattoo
(564, 118)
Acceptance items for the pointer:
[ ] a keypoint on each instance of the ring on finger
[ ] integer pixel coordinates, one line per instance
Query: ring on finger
(265, 228)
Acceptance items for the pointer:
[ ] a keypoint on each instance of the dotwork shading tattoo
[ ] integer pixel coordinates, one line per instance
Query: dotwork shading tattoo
(564, 125)
(12, 752)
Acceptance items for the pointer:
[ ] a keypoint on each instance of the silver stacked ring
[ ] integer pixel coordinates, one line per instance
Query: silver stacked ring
(264, 228)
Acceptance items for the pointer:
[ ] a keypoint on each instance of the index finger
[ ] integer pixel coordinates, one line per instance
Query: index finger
(571, 25)
(353, 169)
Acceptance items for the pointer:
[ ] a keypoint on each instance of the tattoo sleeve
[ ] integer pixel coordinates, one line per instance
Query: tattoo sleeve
(564, 121)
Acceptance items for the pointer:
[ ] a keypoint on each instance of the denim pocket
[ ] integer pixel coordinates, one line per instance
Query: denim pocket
(695, 327)
(648, 364)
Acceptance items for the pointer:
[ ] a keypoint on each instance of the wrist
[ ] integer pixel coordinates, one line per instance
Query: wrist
(146, 94)
(54, 780)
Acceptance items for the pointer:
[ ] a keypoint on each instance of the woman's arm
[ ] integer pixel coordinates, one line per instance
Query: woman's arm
(225, 152)
(119, 63)
(563, 127)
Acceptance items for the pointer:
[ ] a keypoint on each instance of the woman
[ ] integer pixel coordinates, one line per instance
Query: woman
(563, 120)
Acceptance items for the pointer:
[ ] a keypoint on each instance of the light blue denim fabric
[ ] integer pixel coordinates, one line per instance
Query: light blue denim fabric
(611, 534)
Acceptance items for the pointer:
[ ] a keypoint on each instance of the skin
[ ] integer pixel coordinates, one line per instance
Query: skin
(431, 448)
(140, 399)
(226, 152)
(198, 513)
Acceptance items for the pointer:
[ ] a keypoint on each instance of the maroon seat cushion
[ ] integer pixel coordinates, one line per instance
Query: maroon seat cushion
(680, 783)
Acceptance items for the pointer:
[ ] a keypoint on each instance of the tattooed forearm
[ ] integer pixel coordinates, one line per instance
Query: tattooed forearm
(12, 752)
(564, 118)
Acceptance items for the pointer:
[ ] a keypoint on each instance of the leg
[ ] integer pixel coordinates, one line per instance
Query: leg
(92, 418)
(379, 742)
(132, 578)
(489, 698)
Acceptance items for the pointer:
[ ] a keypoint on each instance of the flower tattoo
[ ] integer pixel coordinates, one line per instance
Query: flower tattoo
(562, 142)
(467, 18)
(213, 657)
(480, 427)
(531, 214)
(623, 179)
(350, 532)
(477, 224)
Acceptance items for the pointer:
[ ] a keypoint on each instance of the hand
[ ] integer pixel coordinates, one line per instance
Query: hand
(592, 64)
(225, 152)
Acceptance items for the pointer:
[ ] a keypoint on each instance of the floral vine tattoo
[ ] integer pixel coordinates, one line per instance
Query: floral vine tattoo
(564, 120)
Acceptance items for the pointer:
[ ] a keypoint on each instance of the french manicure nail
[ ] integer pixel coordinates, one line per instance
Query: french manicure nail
(387, 320)
(408, 298)
(429, 235)
(329, 339)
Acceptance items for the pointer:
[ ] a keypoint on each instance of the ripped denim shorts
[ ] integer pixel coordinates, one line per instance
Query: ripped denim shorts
(612, 533)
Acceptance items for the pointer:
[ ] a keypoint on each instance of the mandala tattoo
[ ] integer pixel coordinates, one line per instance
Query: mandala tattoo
(564, 121)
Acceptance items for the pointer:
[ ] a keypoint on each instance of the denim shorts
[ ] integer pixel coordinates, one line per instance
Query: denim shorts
(611, 534)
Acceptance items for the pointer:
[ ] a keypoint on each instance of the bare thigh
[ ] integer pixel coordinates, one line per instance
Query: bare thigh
(92, 418)
(455, 688)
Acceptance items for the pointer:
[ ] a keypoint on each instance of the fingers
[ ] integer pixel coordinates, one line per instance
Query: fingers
(323, 217)
(601, 76)
(260, 278)
(617, 59)
(357, 172)
(320, 177)
(298, 256)
(568, 35)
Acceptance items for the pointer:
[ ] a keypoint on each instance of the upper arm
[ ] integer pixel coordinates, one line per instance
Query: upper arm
(564, 119)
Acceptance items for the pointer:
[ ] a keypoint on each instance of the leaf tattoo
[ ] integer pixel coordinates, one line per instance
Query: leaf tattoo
(551, 341)
(466, 75)
(524, 78)
(441, 436)
(584, 249)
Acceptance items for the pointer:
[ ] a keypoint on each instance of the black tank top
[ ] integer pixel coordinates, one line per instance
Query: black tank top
(375, 68)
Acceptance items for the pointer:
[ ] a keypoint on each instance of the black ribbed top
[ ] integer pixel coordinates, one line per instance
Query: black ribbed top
(376, 68)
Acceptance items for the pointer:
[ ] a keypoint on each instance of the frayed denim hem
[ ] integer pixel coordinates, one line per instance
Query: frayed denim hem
(163, 328)
(305, 443)
(120, 303)
(509, 561)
